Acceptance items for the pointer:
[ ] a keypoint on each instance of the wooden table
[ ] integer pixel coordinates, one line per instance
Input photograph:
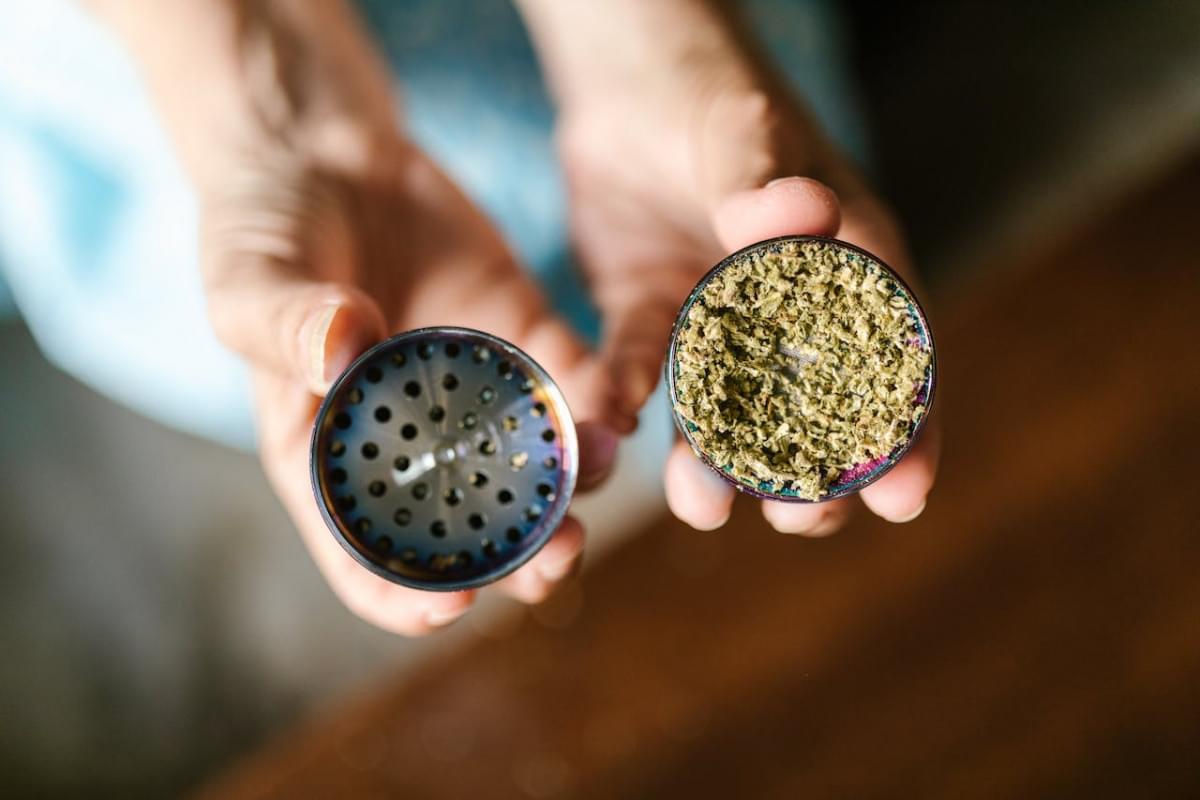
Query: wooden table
(1036, 633)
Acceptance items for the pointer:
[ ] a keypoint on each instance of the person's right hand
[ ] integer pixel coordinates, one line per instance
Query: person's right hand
(680, 191)
(680, 148)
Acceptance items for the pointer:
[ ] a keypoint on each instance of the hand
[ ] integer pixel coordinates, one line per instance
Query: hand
(323, 231)
(668, 175)
(309, 262)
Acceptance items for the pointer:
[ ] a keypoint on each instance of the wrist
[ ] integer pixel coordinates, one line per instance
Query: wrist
(591, 50)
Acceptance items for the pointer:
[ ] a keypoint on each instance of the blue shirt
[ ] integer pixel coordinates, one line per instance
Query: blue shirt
(98, 235)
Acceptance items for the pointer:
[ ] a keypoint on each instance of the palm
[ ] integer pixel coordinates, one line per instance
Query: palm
(642, 195)
(657, 202)
(402, 244)
(637, 200)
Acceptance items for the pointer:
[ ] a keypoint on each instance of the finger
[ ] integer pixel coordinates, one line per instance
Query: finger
(593, 397)
(553, 344)
(869, 223)
(784, 207)
(637, 328)
(510, 305)
(561, 556)
(695, 494)
(389, 606)
(285, 418)
(900, 495)
(637, 332)
(597, 454)
(806, 519)
(306, 331)
(267, 309)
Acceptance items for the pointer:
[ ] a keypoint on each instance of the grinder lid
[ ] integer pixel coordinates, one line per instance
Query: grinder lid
(443, 458)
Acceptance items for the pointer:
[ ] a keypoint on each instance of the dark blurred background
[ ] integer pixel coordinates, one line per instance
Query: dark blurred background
(997, 125)
(1036, 633)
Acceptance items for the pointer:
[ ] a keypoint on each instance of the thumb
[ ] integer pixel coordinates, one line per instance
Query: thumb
(784, 207)
(282, 321)
(637, 328)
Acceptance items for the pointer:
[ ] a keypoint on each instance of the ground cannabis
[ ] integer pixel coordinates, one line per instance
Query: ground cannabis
(798, 361)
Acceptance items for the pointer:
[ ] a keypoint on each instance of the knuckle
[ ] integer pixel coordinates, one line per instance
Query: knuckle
(743, 137)
(221, 319)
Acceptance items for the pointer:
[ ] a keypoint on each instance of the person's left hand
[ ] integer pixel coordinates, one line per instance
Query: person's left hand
(323, 230)
(310, 259)
(668, 177)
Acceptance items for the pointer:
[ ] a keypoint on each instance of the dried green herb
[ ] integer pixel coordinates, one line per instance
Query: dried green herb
(798, 361)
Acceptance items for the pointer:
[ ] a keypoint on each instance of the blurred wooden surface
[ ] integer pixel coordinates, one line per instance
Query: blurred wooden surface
(1035, 634)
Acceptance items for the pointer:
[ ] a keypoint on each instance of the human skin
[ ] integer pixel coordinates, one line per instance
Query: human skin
(324, 229)
(680, 146)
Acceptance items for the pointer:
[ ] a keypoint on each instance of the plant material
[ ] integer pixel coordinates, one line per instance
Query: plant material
(799, 361)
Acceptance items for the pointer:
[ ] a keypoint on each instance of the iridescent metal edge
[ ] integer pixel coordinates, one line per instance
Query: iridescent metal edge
(547, 526)
(891, 459)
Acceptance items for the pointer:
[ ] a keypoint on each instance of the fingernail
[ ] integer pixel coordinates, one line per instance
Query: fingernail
(771, 183)
(318, 342)
(636, 387)
(598, 444)
(558, 570)
(914, 514)
(827, 525)
(437, 617)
